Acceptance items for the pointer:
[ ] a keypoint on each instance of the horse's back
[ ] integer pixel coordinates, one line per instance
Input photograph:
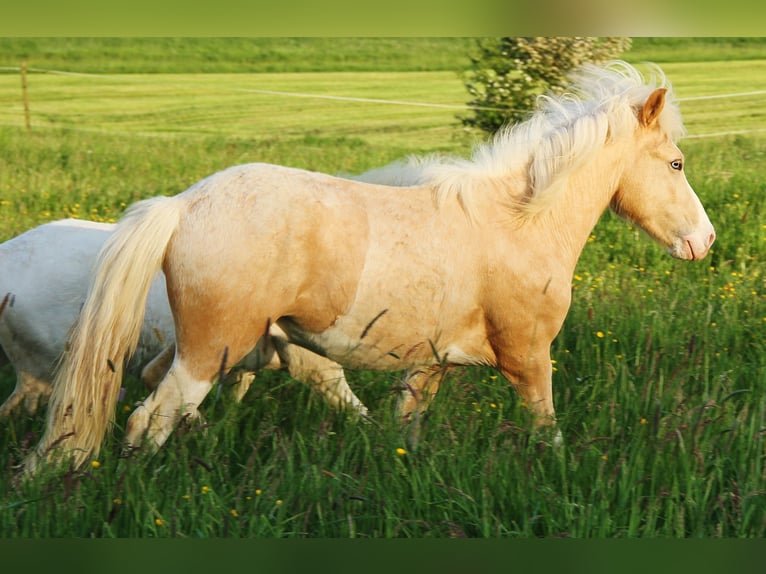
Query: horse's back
(51, 261)
(46, 272)
(52, 243)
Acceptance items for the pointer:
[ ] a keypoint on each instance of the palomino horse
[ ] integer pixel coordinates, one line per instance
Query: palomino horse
(472, 266)
(44, 275)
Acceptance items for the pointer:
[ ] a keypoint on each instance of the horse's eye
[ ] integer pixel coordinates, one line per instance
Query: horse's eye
(677, 164)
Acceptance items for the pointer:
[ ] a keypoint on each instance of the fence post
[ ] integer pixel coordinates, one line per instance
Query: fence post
(25, 95)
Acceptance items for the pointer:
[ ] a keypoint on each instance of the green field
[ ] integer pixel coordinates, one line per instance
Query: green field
(659, 369)
(266, 55)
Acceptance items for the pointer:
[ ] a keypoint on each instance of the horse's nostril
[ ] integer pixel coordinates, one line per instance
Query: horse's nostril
(711, 239)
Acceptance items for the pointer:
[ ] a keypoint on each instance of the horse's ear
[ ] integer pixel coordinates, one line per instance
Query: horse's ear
(652, 108)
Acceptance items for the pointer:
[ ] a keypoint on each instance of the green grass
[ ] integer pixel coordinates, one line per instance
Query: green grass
(706, 49)
(369, 106)
(236, 55)
(192, 105)
(659, 382)
(151, 55)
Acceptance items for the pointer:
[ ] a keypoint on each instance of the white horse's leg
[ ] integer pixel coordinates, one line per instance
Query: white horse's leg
(11, 403)
(324, 376)
(35, 391)
(29, 390)
(177, 396)
(332, 386)
(329, 381)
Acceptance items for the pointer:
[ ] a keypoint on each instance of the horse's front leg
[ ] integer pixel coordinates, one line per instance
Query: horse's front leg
(532, 377)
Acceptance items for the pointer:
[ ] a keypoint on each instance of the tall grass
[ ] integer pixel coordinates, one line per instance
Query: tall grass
(658, 385)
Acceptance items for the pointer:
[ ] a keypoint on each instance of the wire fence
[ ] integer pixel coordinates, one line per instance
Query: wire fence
(277, 94)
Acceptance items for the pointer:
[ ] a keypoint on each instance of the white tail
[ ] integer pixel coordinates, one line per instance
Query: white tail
(87, 383)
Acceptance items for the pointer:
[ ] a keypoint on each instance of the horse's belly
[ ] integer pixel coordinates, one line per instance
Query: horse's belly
(366, 347)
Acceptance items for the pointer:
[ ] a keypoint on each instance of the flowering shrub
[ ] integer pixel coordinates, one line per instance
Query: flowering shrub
(508, 74)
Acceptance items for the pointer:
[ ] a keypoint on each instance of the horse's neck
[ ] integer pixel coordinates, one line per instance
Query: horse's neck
(586, 195)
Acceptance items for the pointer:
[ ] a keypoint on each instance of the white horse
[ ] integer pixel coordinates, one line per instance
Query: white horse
(473, 266)
(44, 275)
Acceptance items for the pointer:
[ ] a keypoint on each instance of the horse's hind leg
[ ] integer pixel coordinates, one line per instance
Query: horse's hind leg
(206, 344)
(178, 395)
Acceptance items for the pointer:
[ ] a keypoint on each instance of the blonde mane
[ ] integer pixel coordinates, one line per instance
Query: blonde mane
(531, 159)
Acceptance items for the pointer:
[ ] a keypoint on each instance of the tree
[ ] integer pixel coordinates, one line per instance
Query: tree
(508, 74)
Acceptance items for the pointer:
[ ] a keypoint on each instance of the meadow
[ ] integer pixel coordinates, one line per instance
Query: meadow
(659, 369)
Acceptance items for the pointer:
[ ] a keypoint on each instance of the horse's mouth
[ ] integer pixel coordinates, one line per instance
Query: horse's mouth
(692, 248)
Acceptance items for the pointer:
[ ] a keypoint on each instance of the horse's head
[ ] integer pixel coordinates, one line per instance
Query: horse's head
(653, 191)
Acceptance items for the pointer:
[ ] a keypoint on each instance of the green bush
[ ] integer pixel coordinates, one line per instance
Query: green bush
(508, 74)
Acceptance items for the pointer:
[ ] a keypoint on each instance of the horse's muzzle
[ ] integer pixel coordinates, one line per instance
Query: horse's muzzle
(695, 246)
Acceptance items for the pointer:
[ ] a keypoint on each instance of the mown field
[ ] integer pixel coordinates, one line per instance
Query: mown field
(659, 369)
